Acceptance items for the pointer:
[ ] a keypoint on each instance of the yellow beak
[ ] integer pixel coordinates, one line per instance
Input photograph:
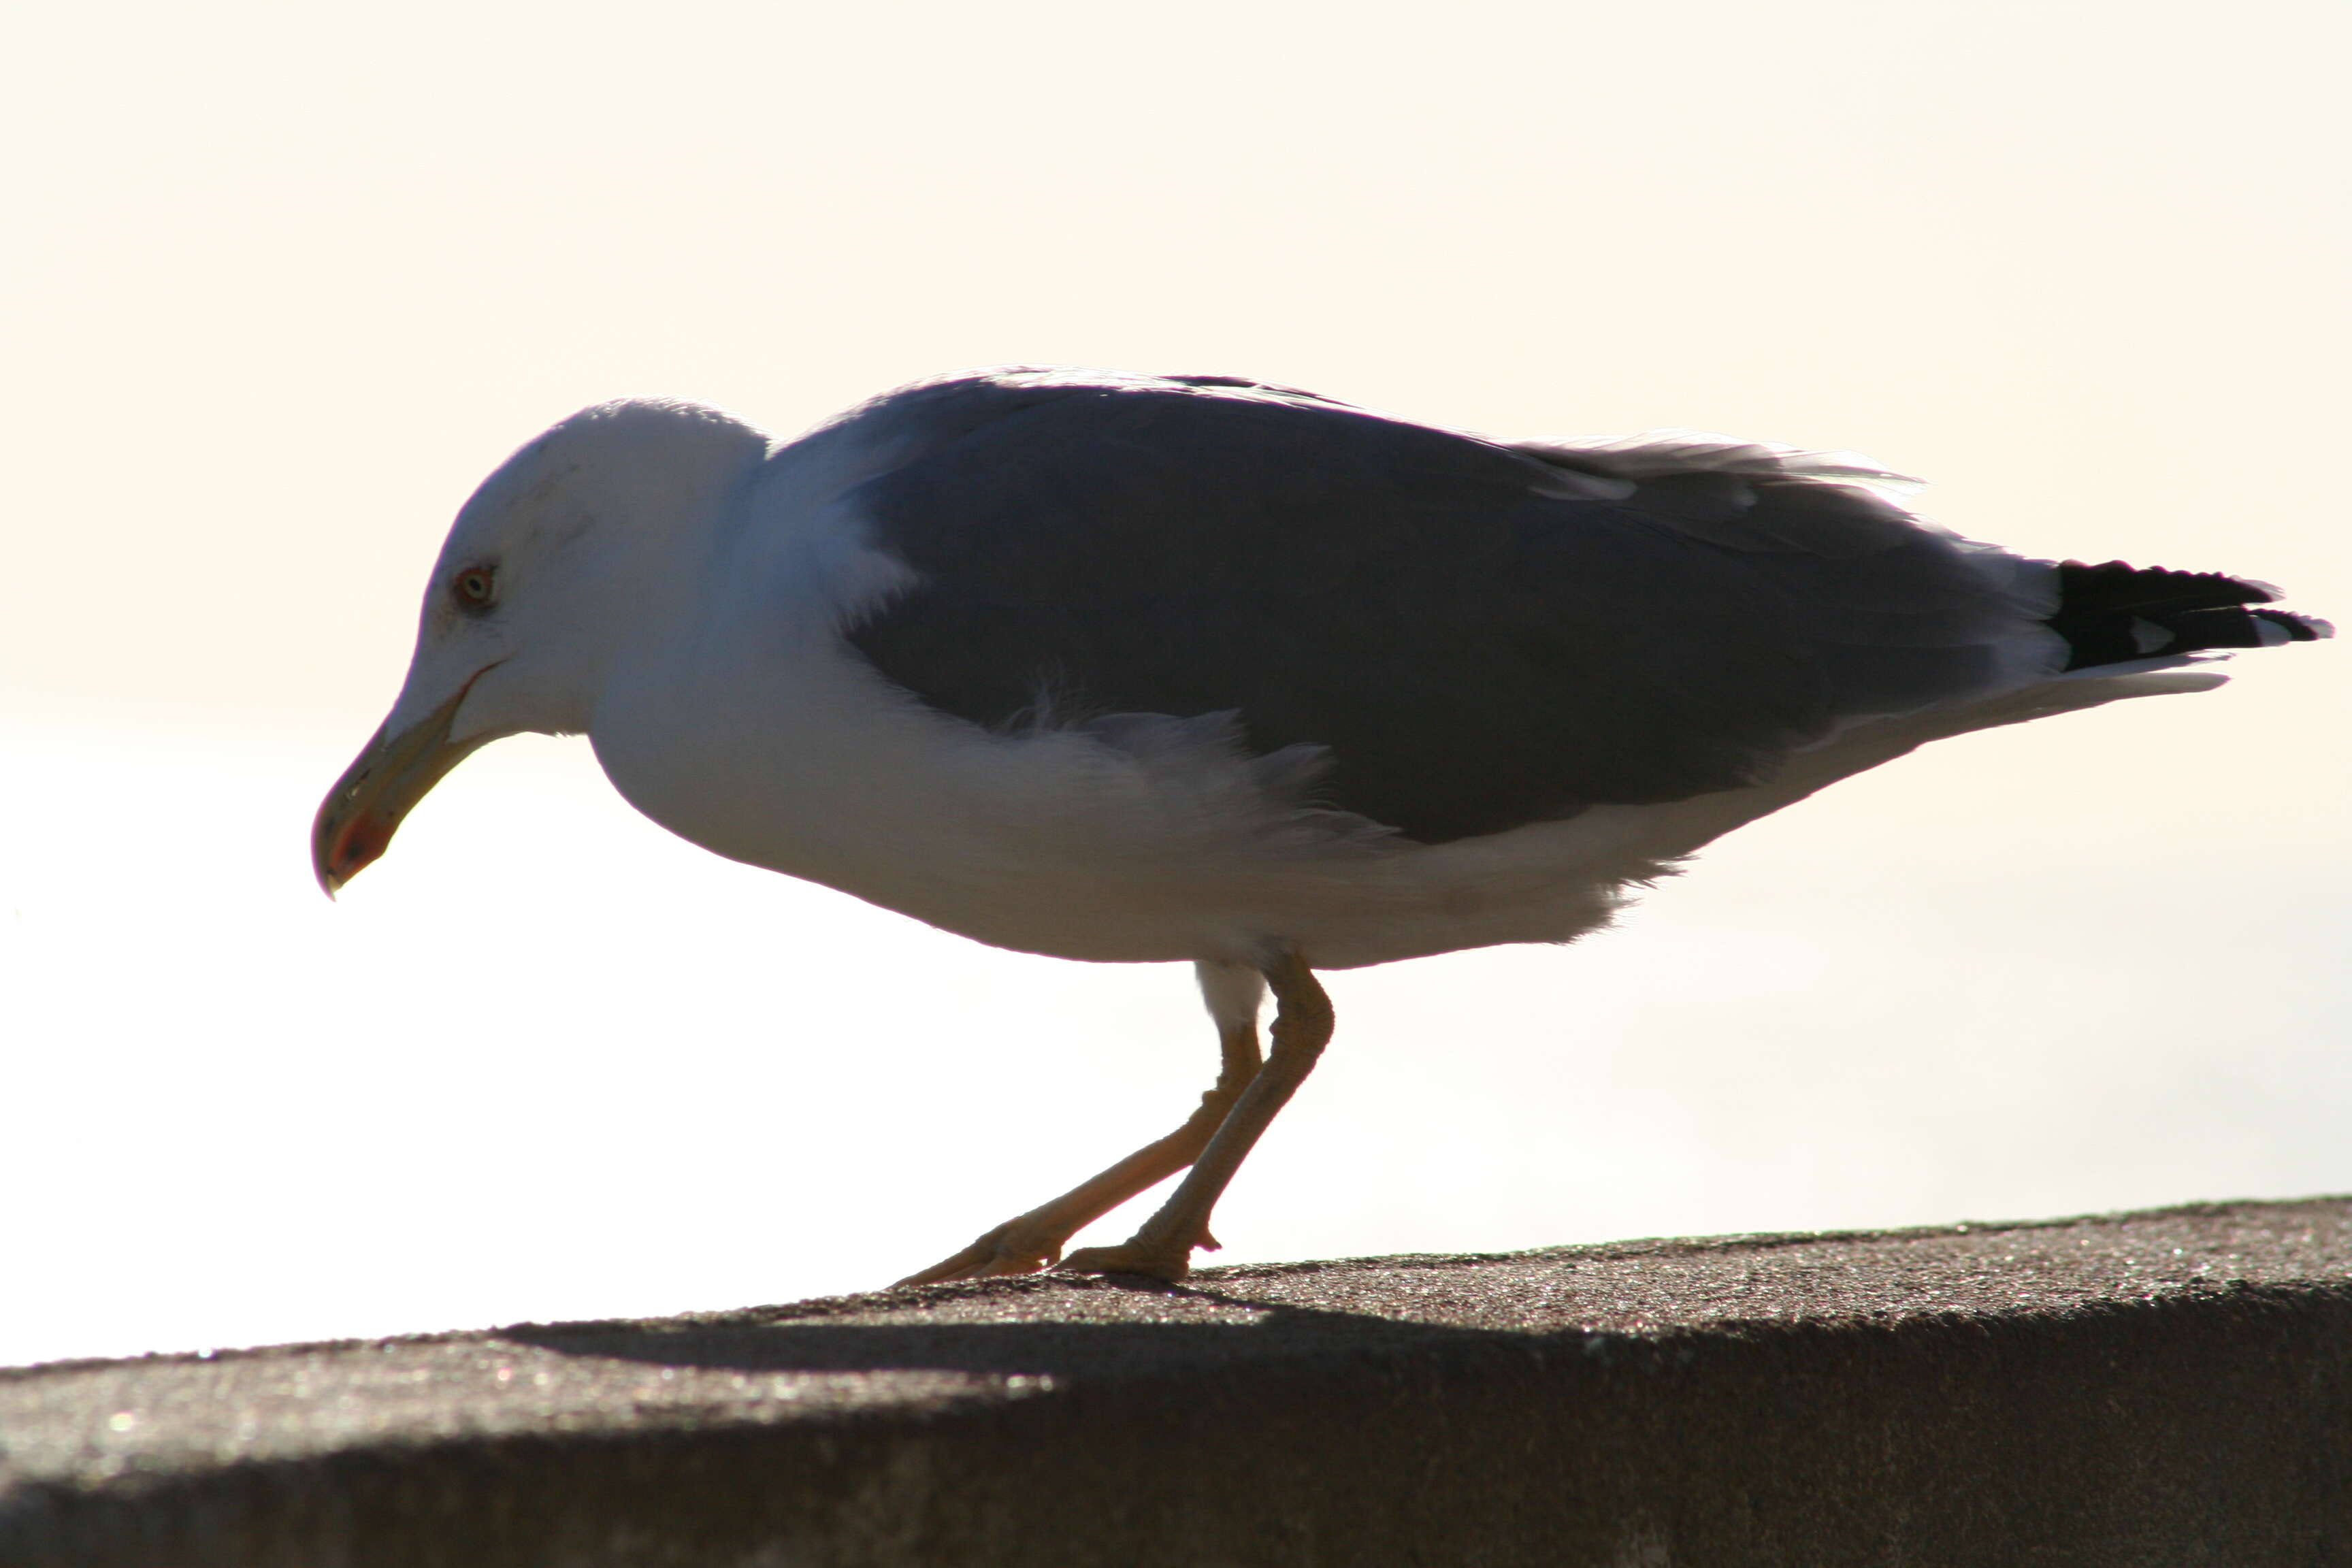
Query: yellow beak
(356, 821)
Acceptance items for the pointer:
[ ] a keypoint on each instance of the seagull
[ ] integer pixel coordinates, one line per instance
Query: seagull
(1139, 668)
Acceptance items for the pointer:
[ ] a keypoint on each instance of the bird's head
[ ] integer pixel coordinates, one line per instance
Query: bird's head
(546, 571)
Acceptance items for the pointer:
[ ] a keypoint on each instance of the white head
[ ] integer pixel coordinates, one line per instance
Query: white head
(551, 565)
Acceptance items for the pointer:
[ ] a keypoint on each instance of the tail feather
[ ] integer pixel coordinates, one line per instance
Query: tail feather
(2117, 614)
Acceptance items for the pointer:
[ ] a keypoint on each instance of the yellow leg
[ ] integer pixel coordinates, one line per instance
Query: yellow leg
(1163, 1248)
(1035, 1239)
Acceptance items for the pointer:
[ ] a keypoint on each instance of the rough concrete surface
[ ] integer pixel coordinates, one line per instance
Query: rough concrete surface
(2160, 1389)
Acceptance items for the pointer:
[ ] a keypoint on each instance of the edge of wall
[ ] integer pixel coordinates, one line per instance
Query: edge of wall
(2173, 1386)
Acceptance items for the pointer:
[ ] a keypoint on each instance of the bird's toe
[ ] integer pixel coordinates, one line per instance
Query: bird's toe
(1129, 1259)
(1007, 1249)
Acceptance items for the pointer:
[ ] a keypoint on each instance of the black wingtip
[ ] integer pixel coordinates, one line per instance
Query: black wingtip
(2298, 628)
(2114, 586)
(2115, 613)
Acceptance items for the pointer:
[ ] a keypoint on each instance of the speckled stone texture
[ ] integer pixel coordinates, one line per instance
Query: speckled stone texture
(2156, 1390)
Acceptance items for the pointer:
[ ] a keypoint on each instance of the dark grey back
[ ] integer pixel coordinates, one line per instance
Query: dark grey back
(1475, 648)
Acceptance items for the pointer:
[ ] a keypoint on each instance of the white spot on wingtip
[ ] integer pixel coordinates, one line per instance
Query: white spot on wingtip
(2147, 637)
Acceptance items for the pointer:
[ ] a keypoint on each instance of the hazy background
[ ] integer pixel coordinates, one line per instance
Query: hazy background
(281, 283)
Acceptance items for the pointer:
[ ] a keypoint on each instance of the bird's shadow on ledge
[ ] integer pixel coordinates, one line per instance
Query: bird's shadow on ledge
(1225, 1330)
(1232, 1327)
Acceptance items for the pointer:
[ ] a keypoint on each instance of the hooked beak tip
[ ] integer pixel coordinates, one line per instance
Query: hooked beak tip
(330, 836)
(356, 821)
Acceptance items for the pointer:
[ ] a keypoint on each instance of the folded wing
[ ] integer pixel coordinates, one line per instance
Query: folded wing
(1478, 634)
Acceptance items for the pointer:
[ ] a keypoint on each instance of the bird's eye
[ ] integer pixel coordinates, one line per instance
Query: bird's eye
(474, 587)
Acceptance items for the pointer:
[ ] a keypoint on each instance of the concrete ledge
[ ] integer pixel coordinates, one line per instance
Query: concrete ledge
(2167, 1388)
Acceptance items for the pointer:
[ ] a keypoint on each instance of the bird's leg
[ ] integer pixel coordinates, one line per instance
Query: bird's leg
(1035, 1239)
(1163, 1248)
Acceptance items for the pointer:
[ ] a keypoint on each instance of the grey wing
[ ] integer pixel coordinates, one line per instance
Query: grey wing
(1476, 635)
(1900, 614)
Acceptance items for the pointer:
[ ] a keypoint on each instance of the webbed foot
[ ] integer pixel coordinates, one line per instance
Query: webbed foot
(1017, 1247)
(1126, 1257)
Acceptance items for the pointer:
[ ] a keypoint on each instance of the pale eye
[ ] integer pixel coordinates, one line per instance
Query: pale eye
(474, 587)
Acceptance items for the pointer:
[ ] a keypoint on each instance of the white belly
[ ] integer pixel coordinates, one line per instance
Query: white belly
(1056, 842)
(802, 760)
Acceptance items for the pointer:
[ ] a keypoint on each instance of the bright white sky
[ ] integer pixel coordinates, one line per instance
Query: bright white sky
(283, 282)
